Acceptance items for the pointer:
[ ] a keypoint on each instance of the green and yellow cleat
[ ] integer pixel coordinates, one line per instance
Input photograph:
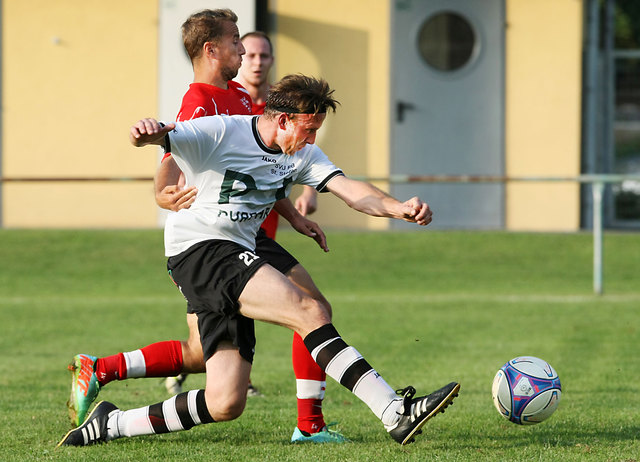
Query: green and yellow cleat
(84, 387)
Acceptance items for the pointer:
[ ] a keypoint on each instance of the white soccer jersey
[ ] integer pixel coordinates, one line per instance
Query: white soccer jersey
(238, 178)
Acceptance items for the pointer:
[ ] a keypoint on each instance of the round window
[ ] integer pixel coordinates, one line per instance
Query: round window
(446, 41)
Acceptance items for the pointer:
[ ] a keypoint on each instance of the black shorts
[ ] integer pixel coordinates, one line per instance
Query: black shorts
(211, 275)
(274, 253)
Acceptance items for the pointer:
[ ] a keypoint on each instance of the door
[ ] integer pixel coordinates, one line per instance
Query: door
(448, 96)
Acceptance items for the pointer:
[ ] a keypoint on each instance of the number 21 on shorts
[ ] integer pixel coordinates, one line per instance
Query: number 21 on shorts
(248, 257)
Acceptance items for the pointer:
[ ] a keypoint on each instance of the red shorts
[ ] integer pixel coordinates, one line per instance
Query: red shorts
(270, 224)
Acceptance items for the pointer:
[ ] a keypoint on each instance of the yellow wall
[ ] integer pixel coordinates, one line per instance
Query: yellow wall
(543, 79)
(73, 82)
(347, 43)
(76, 75)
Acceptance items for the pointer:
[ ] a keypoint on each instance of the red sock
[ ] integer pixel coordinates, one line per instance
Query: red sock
(162, 359)
(111, 368)
(310, 385)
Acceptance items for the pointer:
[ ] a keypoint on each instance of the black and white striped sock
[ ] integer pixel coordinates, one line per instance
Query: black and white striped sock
(180, 412)
(344, 364)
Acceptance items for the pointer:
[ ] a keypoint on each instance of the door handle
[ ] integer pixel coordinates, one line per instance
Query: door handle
(401, 108)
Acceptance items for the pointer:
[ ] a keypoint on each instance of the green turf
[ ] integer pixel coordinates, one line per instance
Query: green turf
(424, 308)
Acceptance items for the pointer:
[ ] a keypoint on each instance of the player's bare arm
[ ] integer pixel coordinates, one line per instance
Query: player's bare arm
(307, 202)
(169, 187)
(168, 194)
(301, 224)
(366, 198)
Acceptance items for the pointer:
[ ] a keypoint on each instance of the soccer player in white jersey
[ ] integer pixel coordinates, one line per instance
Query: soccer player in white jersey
(241, 165)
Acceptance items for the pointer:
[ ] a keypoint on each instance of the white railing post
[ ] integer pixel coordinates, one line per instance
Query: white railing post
(597, 188)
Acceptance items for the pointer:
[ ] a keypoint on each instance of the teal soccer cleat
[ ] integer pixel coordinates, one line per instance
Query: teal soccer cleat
(84, 387)
(323, 436)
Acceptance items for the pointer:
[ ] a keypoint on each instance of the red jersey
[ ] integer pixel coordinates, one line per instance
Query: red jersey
(258, 108)
(202, 99)
(206, 100)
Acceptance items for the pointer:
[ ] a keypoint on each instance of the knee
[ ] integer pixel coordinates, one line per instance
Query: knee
(327, 307)
(317, 312)
(224, 408)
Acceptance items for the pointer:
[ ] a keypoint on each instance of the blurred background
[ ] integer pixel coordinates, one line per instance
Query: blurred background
(499, 89)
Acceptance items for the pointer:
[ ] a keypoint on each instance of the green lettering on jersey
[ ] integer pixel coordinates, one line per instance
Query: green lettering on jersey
(281, 192)
(226, 189)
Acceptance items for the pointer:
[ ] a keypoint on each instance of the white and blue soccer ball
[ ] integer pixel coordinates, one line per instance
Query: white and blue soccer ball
(526, 390)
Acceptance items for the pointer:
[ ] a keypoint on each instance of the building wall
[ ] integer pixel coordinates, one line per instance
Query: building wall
(347, 43)
(543, 111)
(76, 75)
(73, 84)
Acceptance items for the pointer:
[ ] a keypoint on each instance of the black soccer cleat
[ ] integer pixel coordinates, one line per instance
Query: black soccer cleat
(416, 411)
(93, 430)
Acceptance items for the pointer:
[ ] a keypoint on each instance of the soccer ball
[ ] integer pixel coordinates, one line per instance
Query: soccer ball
(526, 390)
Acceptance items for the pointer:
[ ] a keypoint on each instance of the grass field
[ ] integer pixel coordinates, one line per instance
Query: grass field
(424, 308)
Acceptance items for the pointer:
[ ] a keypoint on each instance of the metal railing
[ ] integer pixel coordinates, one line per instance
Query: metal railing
(597, 183)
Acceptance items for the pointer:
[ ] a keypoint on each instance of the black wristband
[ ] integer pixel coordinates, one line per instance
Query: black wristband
(167, 141)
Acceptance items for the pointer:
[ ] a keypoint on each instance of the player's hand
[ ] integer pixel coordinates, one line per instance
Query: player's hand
(174, 198)
(307, 202)
(417, 211)
(311, 229)
(149, 131)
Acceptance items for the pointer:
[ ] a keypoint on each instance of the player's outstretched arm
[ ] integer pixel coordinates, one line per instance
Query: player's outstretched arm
(366, 198)
(149, 131)
(301, 224)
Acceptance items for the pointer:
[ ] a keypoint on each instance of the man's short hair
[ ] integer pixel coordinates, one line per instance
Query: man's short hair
(300, 94)
(259, 34)
(204, 26)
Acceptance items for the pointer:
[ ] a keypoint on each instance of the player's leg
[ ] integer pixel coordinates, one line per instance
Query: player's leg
(192, 357)
(161, 359)
(192, 360)
(270, 297)
(227, 378)
(227, 339)
(223, 399)
(89, 373)
(310, 379)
